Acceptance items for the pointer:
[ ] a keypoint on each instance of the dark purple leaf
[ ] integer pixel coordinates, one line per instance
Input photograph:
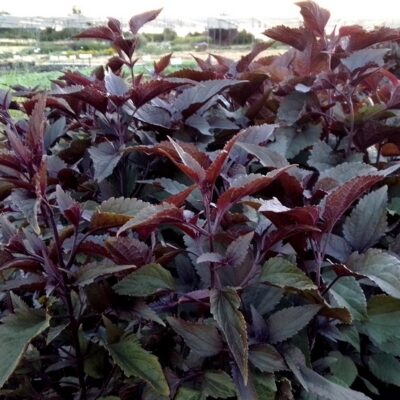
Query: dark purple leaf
(338, 202)
(315, 17)
(136, 22)
(99, 32)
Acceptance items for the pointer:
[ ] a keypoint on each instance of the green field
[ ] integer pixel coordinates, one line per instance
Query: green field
(28, 79)
(43, 79)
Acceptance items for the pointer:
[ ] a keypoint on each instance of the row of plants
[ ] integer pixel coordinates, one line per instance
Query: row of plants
(225, 232)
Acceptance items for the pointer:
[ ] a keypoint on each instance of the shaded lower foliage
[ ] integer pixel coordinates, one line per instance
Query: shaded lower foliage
(229, 232)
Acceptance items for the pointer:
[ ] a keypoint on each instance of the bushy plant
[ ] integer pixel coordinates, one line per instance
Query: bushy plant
(221, 233)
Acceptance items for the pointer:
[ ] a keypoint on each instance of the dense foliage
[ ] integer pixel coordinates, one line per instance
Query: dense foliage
(227, 232)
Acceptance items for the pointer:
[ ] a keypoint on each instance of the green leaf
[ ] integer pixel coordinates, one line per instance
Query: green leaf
(287, 322)
(201, 338)
(393, 207)
(349, 334)
(282, 273)
(150, 394)
(185, 393)
(361, 58)
(54, 131)
(291, 142)
(383, 323)
(347, 292)
(109, 398)
(105, 157)
(153, 215)
(218, 384)
(343, 368)
(381, 267)
(147, 280)
(262, 297)
(322, 156)
(16, 332)
(224, 307)
(123, 206)
(92, 271)
(369, 386)
(267, 157)
(292, 106)
(237, 250)
(130, 356)
(346, 171)
(385, 367)
(116, 212)
(367, 222)
(266, 358)
(265, 386)
(326, 389)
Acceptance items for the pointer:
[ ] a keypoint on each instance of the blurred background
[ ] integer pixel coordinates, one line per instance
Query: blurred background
(36, 38)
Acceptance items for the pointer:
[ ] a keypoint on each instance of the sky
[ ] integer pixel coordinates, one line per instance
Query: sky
(340, 9)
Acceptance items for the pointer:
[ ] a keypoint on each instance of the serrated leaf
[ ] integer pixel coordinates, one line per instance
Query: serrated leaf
(364, 58)
(338, 201)
(201, 338)
(197, 171)
(266, 156)
(291, 107)
(266, 358)
(326, 389)
(217, 384)
(285, 323)
(322, 156)
(380, 267)
(16, 332)
(282, 273)
(298, 141)
(237, 250)
(209, 257)
(29, 206)
(105, 158)
(262, 297)
(385, 367)
(315, 17)
(246, 185)
(295, 37)
(147, 280)
(152, 216)
(127, 250)
(367, 222)
(383, 323)
(348, 293)
(224, 306)
(88, 273)
(130, 356)
(346, 171)
(116, 212)
(123, 206)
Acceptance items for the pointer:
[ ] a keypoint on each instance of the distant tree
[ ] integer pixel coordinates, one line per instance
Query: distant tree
(169, 34)
(76, 10)
(244, 37)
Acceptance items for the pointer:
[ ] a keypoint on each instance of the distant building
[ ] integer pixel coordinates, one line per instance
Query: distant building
(221, 31)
